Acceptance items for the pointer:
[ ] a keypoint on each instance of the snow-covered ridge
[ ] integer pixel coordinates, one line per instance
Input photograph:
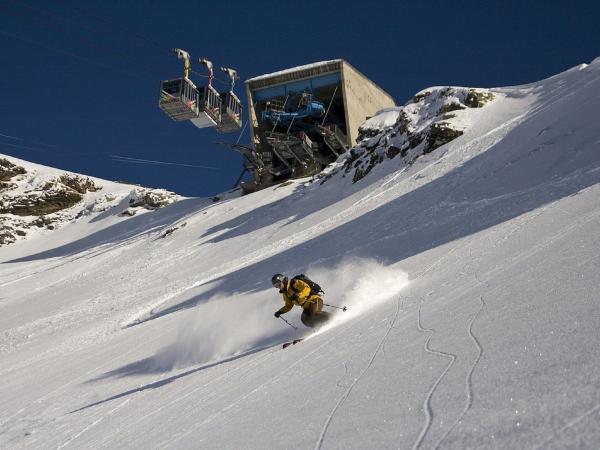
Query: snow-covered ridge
(35, 199)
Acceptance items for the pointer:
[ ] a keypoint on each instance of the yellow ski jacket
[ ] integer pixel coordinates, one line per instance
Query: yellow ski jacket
(297, 292)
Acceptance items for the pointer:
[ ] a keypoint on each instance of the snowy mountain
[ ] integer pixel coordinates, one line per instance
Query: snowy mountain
(35, 199)
(469, 268)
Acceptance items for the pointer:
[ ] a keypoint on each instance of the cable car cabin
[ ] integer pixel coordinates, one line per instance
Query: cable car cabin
(231, 113)
(209, 108)
(179, 99)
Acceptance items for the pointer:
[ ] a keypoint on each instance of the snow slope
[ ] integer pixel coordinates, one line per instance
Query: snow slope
(471, 276)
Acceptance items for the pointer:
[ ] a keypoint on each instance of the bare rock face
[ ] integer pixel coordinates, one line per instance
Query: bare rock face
(78, 183)
(477, 98)
(8, 234)
(9, 170)
(439, 134)
(41, 202)
(421, 96)
(450, 107)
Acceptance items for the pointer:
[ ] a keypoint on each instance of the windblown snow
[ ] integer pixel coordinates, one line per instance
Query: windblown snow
(470, 271)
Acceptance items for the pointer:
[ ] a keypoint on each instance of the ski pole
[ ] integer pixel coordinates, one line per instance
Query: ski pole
(288, 323)
(344, 308)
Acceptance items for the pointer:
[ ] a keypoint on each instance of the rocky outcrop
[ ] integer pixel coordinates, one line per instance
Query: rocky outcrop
(431, 119)
(53, 196)
(477, 98)
(36, 201)
(9, 170)
(78, 183)
(41, 202)
(439, 134)
(149, 199)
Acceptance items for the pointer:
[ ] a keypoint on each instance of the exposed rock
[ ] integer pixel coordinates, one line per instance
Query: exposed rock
(415, 140)
(151, 198)
(41, 200)
(421, 96)
(44, 222)
(4, 186)
(477, 98)
(365, 133)
(361, 172)
(9, 170)
(447, 92)
(352, 157)
(440, 134)
(171, 230)
(7, 236)
(52, 198)
(419, 127)
(392, 151)
(13, 228)
(454, 106)
(78, 183)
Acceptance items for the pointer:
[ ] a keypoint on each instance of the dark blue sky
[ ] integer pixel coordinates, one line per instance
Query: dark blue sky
(80, 79)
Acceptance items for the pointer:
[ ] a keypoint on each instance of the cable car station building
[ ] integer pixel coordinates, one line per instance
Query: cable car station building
(302, 119)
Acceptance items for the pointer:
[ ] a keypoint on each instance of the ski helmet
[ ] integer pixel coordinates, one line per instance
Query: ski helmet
(276, 279)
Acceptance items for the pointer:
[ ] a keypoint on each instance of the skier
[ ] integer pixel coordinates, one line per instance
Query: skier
(298, 292)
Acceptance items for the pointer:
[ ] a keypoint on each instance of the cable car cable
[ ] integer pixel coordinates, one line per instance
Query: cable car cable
(122, 28)
(86, 40)
(73, 55)
(206, 76)
(241, 132)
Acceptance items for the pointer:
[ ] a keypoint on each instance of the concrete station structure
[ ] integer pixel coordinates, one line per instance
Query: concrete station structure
(291, 139)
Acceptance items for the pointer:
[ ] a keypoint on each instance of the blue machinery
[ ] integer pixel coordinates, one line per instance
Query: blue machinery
(301, 131)
(286, 114)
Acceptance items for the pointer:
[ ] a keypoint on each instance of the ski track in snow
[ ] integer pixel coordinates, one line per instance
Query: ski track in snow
(39, 401)
(272, 380)
(427, 403)
(357, 379)
(133, 423)
(212, 393)
(469, 377)
(93, 424)
(568, 425)
(97, 250)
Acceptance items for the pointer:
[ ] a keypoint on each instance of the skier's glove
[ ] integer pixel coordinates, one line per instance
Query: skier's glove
(277, 314)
